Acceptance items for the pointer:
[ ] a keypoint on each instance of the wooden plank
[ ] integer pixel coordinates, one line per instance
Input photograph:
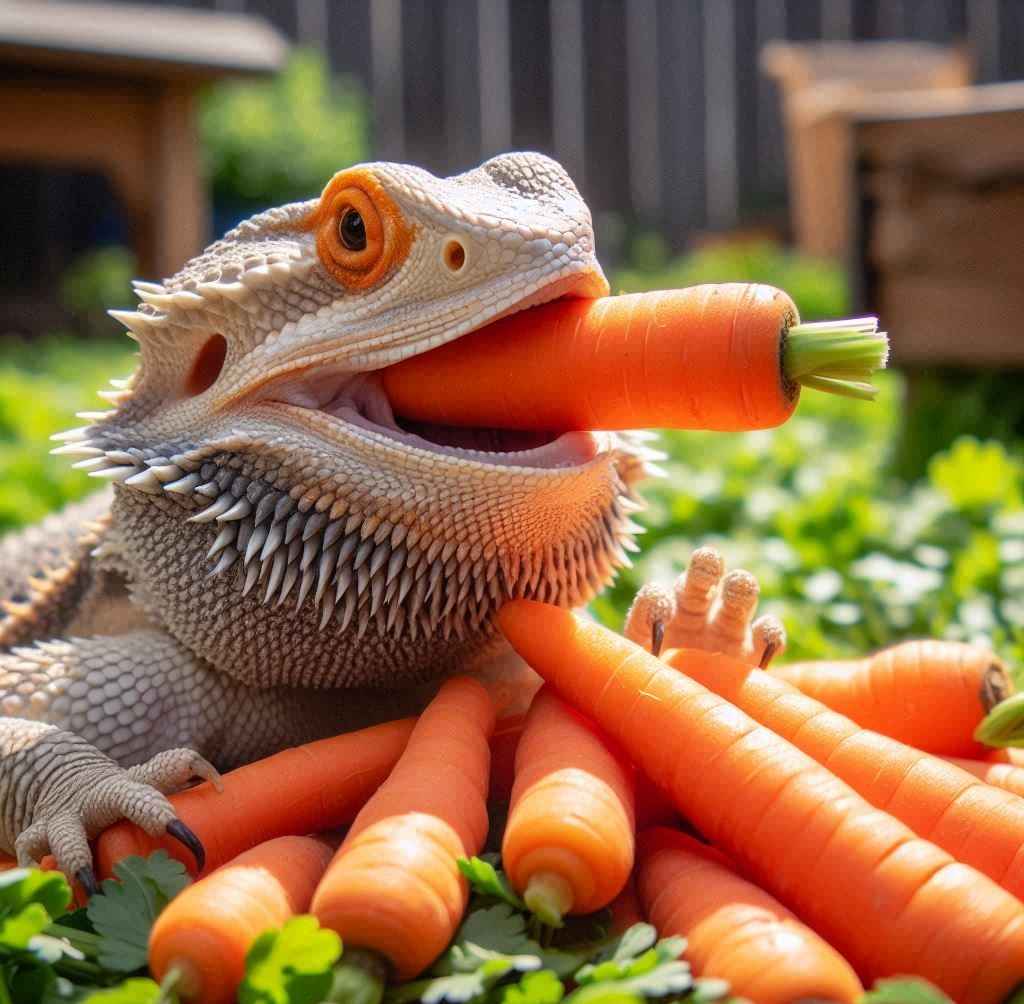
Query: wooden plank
(424, 90)
(568, 102)
(388, 80)
(530, 59)
(495, 85)
(642, 91)
(720, 104)
(461, 84)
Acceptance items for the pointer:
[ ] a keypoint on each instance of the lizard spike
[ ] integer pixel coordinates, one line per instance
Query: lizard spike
(285, 506)
(113, 396)
(78, 435)
(328, 612)
(257, 277)
(120, 384)
(121, 457)
(165, 472)
(89, 464)
(628, 526)
(354, 522)
(93, 416)
(653, 470)
(274, 538)
(227, 559)
(291, 575)
(399, 534)
(239, 510)
(348, 611)
(292, 527)
(364, 623)
(304, 586)
(226, 536)
(245, 529)
(332, 533)
(630, 506)
(362, 581)
(183, 486)
(382, 532)
(265, 507)
(222, 504)
(145, 481)
(256, 541)
(210, 490)
(278, 565)
(344, 580)
(250, 578)
(380, 556)
(369, 527)
(138, 323)
(363, 552)
(309, 551)
(395, 564)
(325, 571)
(76, 450)
(116, 474)
(405, 583)
(347, 549)
(393, 611)
(148, 287)
(314, 524)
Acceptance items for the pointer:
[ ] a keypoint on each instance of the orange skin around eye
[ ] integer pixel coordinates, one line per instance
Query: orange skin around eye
(388, 235)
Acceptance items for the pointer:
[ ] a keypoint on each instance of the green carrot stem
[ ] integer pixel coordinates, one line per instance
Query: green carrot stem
(1004, 725)
(548, 897)
(86, 942)
(838, 357)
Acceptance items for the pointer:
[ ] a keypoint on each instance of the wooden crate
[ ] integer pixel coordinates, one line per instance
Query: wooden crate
(937, 248)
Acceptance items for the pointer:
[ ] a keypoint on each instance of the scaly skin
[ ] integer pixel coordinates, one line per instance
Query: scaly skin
(273, 532)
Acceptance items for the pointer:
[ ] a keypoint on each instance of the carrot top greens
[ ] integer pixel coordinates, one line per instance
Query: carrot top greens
(836, 356)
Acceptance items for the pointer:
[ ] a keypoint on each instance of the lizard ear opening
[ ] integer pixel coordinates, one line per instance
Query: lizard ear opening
(207, 365)
(360, 233)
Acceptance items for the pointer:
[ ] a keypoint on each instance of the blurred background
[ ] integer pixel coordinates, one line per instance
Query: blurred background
(864, 155)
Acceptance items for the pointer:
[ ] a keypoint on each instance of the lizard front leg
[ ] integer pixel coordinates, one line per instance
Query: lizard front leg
(103, 728)
(706, 609)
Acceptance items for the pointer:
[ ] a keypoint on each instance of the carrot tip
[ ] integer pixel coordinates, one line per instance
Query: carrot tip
(548, 897)
(838, 357)
(1004, 724)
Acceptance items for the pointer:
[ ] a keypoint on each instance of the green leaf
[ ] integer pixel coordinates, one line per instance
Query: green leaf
(291, 965)
(21, 886)
(542, 987)
(904, 991)
(632, 942)
(461, 987)
(133, 991)
(1004, 724)
(18, 929)
(486, 880)
(124, 914)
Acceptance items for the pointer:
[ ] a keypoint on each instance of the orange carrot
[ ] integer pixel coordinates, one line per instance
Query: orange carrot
(1010, 755)
(735, 931)
(306, 789)
(709, 357)
(1007, 776)
(626, 909)
(928, 694)
(504, 743)
(394, 886)
(976, 823)
(888, 901)
(205, 931)
(568, 844)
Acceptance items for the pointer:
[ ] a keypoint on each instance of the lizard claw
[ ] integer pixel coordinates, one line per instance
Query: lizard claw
(87, 880)
(177, 829)
(706, 609)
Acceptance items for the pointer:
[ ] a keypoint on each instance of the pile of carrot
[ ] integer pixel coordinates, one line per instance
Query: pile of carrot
(808, 829)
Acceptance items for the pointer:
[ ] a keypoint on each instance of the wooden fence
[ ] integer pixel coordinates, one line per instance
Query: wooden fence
(656, 107)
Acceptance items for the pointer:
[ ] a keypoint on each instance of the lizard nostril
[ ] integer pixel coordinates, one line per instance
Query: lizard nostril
(207, 365)
(454, 255)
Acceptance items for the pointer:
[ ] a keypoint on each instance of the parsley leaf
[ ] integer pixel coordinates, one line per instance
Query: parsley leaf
(29, 900)
(905, 991)
(542, 987)
(634, 971)
(486, 880)
(291, 965)
(124, 913)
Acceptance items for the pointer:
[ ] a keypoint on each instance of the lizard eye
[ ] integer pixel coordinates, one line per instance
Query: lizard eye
(352, 231)
(360, 232)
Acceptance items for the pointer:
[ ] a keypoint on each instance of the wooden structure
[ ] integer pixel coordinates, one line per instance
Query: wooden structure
(823, 84)
(112, 88)
(938, 223)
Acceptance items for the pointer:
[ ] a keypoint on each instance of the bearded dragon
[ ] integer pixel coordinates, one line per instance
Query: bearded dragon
(279, 556)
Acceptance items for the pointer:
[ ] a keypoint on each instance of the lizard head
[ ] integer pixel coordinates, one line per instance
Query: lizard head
(265, 488)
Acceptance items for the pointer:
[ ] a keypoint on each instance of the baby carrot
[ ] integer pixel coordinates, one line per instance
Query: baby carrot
(306, 789)
(394, 886)
(205, 931)
(730, 356)
(976, 823)
(928, 694)
(735, 931)
(890, 902)
(568, 844)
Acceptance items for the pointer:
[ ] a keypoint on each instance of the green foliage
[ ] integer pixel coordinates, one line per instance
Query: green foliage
(98, 281)
(42, 384)
(292, 965)
(817, 287)
(268, 142)
(123, 916)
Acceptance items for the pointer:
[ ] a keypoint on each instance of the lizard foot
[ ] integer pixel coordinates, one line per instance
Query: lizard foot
(706, 609)
(62, 792)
